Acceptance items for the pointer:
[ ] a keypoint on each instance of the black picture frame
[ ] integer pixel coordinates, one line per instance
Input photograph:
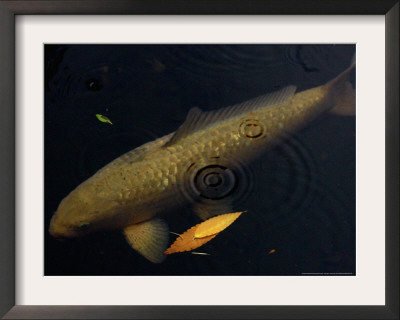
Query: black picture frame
(8, 11)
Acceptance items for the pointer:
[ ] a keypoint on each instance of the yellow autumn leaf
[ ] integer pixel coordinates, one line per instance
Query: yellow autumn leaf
(216, 224)
(186, 242)
(209, 229)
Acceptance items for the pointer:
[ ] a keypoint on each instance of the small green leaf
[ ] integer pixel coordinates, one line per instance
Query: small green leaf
(103, 118)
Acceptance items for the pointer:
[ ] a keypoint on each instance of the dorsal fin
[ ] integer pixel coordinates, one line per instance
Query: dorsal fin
(197, 120)
(140, 153)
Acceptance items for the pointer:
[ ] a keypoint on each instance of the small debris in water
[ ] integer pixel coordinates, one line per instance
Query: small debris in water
(157, 65)
(201, 253)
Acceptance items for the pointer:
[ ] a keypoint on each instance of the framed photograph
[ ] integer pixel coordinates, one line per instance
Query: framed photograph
(217, 161)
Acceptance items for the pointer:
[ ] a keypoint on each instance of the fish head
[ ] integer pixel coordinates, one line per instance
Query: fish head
(80, 213)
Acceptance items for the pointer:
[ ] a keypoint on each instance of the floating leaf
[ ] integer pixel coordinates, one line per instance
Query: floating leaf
(186, 242)
(216, 224)
(189, 240)
(103, 118)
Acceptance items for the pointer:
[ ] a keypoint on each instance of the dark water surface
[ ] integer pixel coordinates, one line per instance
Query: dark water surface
(300, 199)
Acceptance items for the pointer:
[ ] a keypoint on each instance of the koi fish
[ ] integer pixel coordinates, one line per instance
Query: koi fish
(191, 165)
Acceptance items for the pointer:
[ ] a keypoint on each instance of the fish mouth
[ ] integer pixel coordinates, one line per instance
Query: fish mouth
(55, 233)
(58, 230)
(60, 234)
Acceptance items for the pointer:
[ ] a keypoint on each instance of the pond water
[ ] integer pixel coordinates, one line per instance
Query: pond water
(300, 195)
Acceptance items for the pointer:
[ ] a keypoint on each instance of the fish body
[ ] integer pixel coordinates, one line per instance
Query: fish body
(133, 190)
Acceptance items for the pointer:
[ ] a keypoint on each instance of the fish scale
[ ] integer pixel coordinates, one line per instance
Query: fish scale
(219, 140)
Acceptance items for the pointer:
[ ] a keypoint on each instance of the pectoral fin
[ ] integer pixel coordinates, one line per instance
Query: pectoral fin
(150, 238)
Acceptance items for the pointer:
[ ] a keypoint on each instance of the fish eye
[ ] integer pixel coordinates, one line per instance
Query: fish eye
(83, 225)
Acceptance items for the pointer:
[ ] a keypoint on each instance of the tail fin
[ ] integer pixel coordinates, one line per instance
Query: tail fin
(345, 94)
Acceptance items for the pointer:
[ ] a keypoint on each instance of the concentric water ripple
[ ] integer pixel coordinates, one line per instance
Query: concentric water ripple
(286, 180)
(217, 180)
(109, 80)
(204, 62)
(319, 60)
